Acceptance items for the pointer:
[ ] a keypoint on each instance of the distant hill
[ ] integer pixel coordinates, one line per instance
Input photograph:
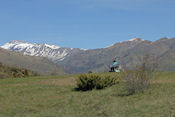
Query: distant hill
(11, 72)
(37, 64)
(128, 53)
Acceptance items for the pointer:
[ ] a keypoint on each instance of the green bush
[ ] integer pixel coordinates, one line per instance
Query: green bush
(92, 81)
(12, 72)
(106, 81)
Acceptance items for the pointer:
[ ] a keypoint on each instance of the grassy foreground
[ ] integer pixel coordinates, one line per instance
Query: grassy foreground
(54, 96)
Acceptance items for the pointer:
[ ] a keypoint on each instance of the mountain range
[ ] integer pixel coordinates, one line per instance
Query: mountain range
(52, 52)
(128, 53)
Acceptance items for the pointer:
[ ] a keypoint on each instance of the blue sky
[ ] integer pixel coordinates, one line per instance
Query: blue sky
(85, 23)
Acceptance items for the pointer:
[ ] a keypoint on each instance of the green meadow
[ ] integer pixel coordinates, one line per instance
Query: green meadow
(55, 96)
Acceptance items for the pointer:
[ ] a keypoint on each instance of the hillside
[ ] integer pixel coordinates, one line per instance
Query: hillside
(129, 54)
(55, 96)
(11, 72)
(37, 64)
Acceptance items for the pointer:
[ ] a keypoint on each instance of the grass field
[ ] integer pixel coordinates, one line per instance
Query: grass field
(54, 96)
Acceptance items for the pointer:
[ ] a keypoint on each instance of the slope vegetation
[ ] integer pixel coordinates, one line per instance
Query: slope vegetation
(37, 64)
(10, 72)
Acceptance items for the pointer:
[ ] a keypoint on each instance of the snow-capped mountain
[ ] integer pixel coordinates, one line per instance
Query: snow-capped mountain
(51, 52)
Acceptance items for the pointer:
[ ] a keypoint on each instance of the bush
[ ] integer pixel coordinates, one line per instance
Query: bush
(89, 72)
(106, 82)
(26, 72)
(92, 81)
(10, 72)
(139, 79)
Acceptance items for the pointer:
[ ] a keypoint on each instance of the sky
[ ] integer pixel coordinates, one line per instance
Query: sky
(87, 24)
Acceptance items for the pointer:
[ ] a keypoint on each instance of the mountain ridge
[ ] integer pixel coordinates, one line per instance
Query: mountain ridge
(53, 52)
(128, 54)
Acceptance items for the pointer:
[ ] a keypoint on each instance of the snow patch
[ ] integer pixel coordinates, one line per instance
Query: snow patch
(110, 46)
(52, 46)
(83, 49)
(136, 39)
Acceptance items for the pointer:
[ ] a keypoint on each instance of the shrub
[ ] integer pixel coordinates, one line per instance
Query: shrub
(89, 72)
(14, 74)
(92, 81)
(87, 82)
(139, 79)
(10, 72)
(106, 81)
(26, 72)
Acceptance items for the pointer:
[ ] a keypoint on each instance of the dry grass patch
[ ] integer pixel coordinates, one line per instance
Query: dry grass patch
(162, 81)
(60, 82)
(14, 85)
